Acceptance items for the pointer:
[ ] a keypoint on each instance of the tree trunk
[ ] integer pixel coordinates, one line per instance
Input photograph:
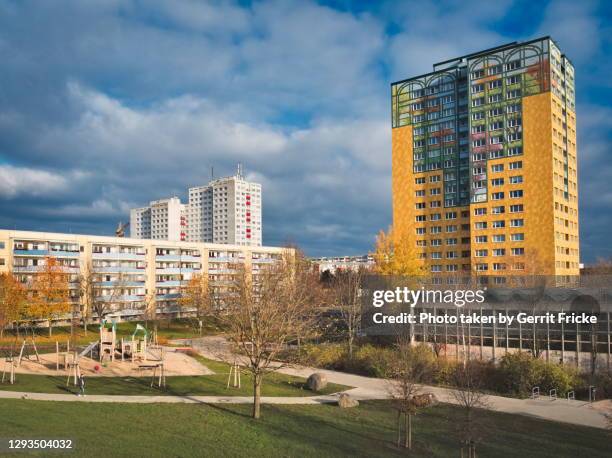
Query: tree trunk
(350, 345)
(256, 396)
(50, 329)
(408, 431)
(399, 428)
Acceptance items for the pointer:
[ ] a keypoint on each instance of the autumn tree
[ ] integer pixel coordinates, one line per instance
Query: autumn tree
(268, 310)
(13, 300)
(49, 292)
(394, 255)
(346, 297)
(198, 294)
(413, 366)
(469, 396)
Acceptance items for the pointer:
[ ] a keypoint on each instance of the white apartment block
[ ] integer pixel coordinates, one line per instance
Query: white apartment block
(227, 210)
(163, 219)
(132, 274)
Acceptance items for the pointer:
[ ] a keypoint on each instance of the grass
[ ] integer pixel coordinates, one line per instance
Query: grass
(274, 384)
(156, 430)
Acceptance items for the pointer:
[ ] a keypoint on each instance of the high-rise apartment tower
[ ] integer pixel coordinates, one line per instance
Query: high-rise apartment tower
(485, 163)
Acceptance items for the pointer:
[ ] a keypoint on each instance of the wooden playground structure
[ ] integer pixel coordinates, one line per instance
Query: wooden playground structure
(110, 356)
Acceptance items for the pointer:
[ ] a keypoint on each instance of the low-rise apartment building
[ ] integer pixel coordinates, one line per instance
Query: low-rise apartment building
(132, 274)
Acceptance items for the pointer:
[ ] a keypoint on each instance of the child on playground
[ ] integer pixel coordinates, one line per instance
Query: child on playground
(81, 385)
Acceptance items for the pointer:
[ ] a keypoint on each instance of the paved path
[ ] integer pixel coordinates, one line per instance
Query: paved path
(366, 388)
(575, 412)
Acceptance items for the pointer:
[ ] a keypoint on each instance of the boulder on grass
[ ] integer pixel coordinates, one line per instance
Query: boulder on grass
(424, 400)
(345, 401)
(316, 382)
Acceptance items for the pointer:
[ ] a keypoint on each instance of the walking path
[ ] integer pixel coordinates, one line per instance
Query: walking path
(366, 388)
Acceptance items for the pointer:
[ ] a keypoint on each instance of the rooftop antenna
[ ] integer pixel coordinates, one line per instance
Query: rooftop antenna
(239, 170)
(212, 172)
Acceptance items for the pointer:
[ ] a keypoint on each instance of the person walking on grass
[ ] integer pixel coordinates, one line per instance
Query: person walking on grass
(81, 385)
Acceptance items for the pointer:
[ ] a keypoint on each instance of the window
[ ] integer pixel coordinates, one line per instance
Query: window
(481, 253)
(497, 182)
(480, 225)
(513, 94)
(435, 229)
(499, 252)
(496, 140)
(497, 168)
(514, 136)
(515, 165)
(514, 122)
(451, 255)
(1, 245)
(499, 266)
(498, 210)
(514, 79)
(477, 74)
(2, 262)
(513, 65)
(518, 237)
(421, 243)
(482, 267)
(498, 238)
(421, 218)
(419, 180)
(435, 204)
(495, 98)
(419, 205)
(518, 251)
(514, 108)
(436, 242)
(478, 143)
(495, 84)
(478, 102)
(498, 224)
(451, 215)
(478, 115)
(436, 255)
(434, 178)
(516, 208)
(419, 193)
(478, 129)
(516, 193)
(494, 69)
(477, 88)
(420, 230)
(517, 222)
(515, 151)
(451, 241)
(495, 112)
(436, 268)
(516, 179)
(496, 125)
(451, 228)
(451, 268)
(480, 211)
(497, 196)
(435, 191)
(480, 239)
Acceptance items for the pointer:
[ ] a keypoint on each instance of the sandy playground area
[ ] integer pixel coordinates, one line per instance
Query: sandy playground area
(175, 363)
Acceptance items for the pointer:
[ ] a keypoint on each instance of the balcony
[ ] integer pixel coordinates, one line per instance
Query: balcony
(127, 256)
(55, 254)
(168, 296)
(111, 269)
(122, 298)
(73, 270)
(169, 283)
(174, 270)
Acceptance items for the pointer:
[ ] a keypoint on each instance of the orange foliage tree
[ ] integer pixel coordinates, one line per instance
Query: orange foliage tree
(394, 255)
(49, 292)
(13, 300)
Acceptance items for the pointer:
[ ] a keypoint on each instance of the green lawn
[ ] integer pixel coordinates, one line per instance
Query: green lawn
(155, 430)
(206, 385)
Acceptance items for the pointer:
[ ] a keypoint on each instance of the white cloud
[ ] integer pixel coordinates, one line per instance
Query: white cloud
(16, 181)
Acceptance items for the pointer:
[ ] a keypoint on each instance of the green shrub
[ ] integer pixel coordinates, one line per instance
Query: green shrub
(519, 373)
(326, 356)
(444, 371)
(371, 360)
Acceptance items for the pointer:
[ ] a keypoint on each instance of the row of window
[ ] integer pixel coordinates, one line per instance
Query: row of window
(496, 69)
(518, 222)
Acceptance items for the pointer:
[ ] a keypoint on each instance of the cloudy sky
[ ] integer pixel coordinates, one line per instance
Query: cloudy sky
(105, 105)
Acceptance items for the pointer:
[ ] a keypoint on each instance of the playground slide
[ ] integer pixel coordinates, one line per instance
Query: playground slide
(91, 346)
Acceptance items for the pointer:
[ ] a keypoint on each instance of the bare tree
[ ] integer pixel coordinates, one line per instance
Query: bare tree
(346, 290)
(263, 314)
(470, 397)
(412, 367)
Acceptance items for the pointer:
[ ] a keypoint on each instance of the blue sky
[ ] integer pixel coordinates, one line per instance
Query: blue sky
(105, 105)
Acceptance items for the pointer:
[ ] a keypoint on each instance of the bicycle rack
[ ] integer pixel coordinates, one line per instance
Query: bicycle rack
(552, 394)
(535, 392)
(571, 396)
(592, 391)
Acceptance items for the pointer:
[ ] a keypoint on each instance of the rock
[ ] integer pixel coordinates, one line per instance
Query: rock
(346, 402)
(424, 400)
(316, 382)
